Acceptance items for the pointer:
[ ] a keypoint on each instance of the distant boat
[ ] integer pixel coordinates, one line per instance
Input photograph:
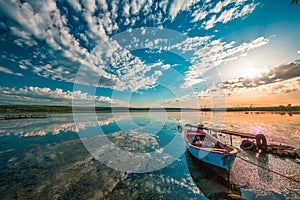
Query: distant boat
(208, 149)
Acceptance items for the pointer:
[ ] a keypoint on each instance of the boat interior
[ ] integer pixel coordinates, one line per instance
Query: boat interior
(204, 140)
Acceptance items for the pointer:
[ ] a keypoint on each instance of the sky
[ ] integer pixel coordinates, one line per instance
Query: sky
(138, 53)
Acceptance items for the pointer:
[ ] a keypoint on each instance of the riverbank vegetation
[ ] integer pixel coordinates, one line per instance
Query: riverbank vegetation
(69, 109)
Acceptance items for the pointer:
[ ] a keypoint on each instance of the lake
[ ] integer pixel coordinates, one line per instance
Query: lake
(139, 155)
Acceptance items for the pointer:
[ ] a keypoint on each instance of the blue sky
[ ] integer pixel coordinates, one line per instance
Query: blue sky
(188, 53)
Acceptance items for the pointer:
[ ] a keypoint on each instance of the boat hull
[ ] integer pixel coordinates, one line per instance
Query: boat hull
(210, 150)
(220, 160)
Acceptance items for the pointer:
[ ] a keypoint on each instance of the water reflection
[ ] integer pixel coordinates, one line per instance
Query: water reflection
(54, 125)
(56, 165)
(211, 184)
(62, 170)
(134, 143)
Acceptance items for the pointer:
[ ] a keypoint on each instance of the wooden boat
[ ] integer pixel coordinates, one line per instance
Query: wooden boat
(208, 149)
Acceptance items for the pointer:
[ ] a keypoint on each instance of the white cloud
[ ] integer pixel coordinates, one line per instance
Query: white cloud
(217, 8)
(8, 71)
(192, 99)
(236, 12)
(221, 13)
(191, 43)
(175, 8)
(89, 5)
(103, 4)
(247, 9)
(193, 76)
(37, 95)
(199, 15)
(31, 21)
(116, 67)
(163, 4)
(282, 87)
(298, 51)
(243, 55)
(275, 80)
(75, 4)
(210, 23)
(222, 4)
(47, 23)
(179, 6)
(204, 94)
(214, 53)
(136, 5)
(24, 37)
(5, 70)
(181, 100)
(126, 9)
(226, 15)
(218, 51)
(166, 66)
(105, 99)
(215, 94)
(23, 67)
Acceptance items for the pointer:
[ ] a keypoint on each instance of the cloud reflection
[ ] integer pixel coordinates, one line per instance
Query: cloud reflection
(56, 124)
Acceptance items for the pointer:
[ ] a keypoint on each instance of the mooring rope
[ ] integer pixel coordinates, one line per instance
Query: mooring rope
(265, 168)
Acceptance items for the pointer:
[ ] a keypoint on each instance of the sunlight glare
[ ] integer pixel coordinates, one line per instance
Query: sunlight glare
(252, 72)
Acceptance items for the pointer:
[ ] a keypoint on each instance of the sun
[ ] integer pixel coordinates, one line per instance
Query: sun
(251, 72)
(248, 69)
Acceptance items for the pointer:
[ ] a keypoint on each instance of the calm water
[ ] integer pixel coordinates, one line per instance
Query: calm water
(48, 158)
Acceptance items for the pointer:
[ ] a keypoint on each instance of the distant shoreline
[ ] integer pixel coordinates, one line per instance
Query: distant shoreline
(70, 109)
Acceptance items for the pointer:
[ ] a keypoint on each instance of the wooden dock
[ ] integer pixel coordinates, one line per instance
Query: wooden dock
(24, 116)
